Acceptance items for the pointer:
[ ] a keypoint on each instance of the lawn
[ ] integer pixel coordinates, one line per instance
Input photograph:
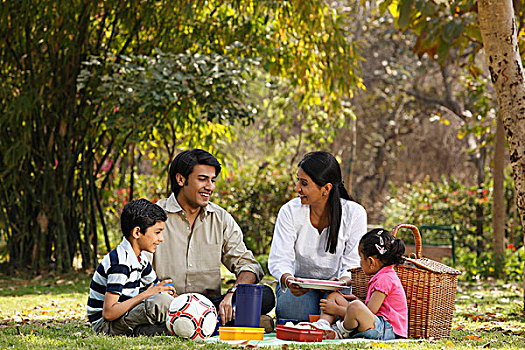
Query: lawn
(48, 312)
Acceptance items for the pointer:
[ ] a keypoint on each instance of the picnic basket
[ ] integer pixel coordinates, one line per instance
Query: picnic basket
(430, 288)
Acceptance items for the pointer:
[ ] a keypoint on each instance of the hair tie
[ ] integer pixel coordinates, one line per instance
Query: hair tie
(381, 250)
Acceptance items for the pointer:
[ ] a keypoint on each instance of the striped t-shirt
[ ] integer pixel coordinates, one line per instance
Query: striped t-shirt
(119, 272)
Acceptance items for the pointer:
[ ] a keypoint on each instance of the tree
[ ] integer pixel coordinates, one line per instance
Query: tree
(84, 83)
(469, 26)
(499, 32)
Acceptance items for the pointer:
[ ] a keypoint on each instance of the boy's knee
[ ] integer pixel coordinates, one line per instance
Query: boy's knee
(157, 306)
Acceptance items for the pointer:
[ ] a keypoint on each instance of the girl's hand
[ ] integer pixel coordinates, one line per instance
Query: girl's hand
(329, 307)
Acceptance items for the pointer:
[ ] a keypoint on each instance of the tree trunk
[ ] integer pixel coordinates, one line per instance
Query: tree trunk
(480, 213)
(499, 33)
(498, 193)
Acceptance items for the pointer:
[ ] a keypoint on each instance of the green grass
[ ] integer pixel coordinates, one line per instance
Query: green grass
(49, 313)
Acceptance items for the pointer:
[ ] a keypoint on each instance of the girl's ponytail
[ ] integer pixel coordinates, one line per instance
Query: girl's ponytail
(381, 244)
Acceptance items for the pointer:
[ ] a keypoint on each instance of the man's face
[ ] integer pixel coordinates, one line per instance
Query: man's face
(198, 187)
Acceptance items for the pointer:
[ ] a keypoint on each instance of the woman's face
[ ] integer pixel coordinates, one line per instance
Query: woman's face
(309, 192)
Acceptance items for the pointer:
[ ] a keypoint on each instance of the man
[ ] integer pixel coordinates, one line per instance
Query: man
(200, 235)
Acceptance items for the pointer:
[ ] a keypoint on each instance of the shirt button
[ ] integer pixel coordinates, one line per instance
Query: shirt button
(191, 265)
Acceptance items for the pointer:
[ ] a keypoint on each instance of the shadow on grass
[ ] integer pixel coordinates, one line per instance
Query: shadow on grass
(25, 284)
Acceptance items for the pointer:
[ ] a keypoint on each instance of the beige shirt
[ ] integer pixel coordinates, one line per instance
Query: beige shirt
(192, 258)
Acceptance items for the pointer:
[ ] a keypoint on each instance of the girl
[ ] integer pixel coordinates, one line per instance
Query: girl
(384, 315)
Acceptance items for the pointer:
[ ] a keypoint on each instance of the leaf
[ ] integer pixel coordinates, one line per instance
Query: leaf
(405, 9)
(472, 337)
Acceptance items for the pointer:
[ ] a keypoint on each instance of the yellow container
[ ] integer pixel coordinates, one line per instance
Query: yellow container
(241, 333)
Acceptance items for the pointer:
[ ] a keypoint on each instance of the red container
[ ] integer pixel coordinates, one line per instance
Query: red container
(297, 334)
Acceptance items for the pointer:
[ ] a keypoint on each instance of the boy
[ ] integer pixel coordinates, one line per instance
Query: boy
(124, 296)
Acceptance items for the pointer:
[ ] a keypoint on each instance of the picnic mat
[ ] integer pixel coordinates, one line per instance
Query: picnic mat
(270, 339)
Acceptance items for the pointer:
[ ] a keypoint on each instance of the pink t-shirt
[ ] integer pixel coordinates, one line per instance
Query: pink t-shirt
(394, 308)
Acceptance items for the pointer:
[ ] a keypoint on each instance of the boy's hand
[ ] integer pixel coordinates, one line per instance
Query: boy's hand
(163, 286)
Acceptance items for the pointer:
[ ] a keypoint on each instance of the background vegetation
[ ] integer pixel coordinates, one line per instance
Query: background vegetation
(98, 97)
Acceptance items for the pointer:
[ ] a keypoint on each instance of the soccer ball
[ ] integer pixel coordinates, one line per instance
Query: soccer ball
(192, 316)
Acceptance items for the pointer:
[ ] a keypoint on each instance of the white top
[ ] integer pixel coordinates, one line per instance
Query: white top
(298, 247)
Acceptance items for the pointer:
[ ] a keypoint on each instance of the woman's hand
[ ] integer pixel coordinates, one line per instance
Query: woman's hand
(287, 282)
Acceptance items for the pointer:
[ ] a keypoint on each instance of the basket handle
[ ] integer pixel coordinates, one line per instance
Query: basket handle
(417, 237)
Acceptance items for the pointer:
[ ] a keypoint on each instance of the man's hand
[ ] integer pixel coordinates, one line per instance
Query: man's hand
(226, 309)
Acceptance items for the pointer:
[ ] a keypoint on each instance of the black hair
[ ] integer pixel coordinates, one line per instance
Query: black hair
(323, 168)
(185, 161)
(381, 244)
(141, 213)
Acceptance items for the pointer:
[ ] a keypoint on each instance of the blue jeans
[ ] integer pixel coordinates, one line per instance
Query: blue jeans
(297, 308)
(382, 331)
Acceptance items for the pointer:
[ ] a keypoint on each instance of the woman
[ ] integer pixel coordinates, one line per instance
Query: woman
(316, 236)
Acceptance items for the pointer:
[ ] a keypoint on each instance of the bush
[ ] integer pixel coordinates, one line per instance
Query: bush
(450, 203)
(254, 200)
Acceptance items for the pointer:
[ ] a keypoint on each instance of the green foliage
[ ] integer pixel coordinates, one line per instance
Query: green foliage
(514, 262)
(254, 197)
(445, 29)
(89, 88)
(482, 266)
(451, 203)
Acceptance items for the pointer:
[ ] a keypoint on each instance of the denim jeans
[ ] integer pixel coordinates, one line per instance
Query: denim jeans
(382, 331)
(297, 308)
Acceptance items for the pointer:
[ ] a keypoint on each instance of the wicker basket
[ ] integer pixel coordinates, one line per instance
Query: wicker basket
(430, 288)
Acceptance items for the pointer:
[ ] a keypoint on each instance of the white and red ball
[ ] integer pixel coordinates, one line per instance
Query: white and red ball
(191, 316)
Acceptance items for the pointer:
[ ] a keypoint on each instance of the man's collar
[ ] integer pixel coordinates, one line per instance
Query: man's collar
(173, 206)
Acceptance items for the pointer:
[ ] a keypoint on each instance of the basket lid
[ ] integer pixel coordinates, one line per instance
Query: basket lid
(432, 266)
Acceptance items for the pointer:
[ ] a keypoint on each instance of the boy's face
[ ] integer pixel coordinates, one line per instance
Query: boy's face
(150, 239)
(198, 187)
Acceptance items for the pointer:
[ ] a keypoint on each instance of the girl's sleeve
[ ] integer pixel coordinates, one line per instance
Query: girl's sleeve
(358, 220)
(282, 252)
(383, 284)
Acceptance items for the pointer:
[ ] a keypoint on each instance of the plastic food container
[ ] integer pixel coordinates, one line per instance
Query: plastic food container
(241, 333)
(297, 334)
(314, 318)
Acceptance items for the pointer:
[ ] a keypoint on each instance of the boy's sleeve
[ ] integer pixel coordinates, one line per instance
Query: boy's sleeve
(117, 277)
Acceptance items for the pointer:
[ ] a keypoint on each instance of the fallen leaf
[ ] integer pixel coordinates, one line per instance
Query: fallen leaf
(472, 337)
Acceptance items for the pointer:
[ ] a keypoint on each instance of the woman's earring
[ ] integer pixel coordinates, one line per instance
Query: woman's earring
(324, 194)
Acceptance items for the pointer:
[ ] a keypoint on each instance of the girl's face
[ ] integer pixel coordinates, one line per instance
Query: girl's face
(370, 265)
(309, 192)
